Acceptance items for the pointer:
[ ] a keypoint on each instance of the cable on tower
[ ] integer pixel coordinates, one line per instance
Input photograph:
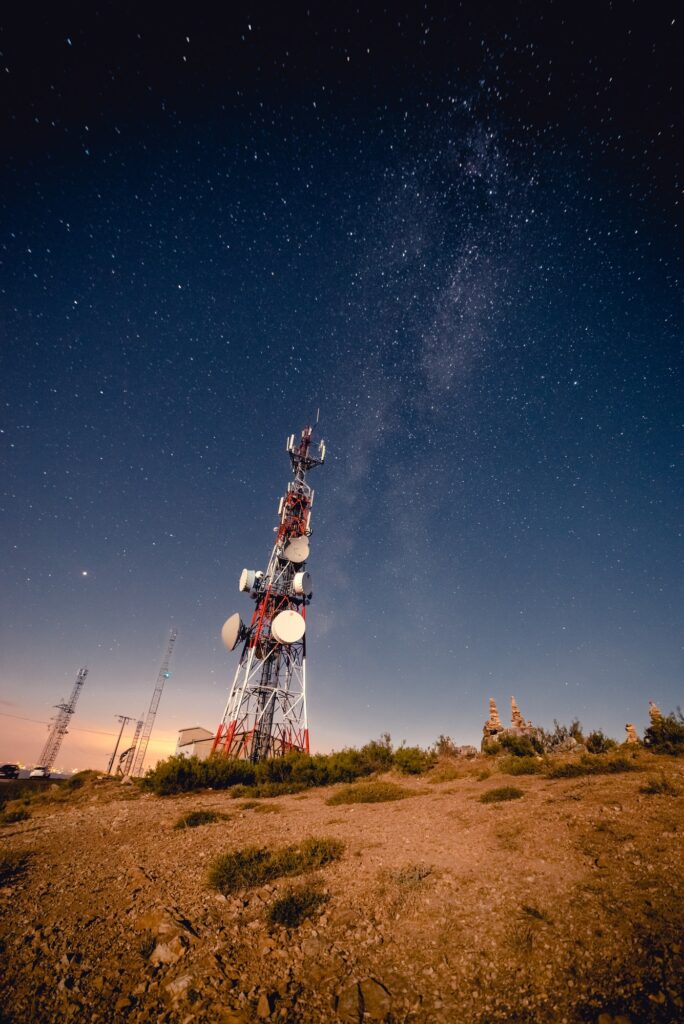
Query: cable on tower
(60, 723)
(266, 711)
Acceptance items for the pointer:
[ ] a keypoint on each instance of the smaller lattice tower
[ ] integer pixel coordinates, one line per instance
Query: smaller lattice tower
(126, 757)
(164, 674)
(60, 723)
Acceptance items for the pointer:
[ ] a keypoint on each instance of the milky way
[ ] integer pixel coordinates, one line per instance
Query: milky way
(455, 238)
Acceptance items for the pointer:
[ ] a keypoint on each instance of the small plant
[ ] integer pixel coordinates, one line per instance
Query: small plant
(368, 793)
(491, 748)
(520, 746)
(412, 874)
(483, 775)
(296, 905)
(597, 743)
(503, 793)
(538, 915)
(147, 945)
(245, 869)
(10, 817)
(12, 866)
(195, 818)
(594, 764)
(520, 766)
(660, 787)
(446, 771)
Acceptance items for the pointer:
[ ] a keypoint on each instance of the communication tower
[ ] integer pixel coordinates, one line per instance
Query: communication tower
(60, 723)
(164, 674)
(126, 757)
(124, 719)
(266, 711)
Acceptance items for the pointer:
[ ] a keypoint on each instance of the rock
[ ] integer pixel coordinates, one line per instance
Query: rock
(169, 952)
(349, 1007)
(179, 986)
(263, 1007)
(123, 1003)
(631, 734)
(375, 998)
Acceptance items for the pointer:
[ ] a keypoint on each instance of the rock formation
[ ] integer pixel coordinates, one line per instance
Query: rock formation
(493, 726)
(631, 734)
(517, 720)
(655, 712)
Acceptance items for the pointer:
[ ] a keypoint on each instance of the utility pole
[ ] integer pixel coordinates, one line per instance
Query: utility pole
(266, 711)
(123, 719)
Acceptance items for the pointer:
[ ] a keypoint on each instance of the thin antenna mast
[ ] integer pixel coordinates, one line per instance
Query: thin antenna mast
(126, 757)
(164, 674)
(266, 711)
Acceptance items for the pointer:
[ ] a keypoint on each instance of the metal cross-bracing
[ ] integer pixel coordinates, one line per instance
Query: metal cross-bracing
(266, 711)
(164, 674)
(60, 723)
(126, 757)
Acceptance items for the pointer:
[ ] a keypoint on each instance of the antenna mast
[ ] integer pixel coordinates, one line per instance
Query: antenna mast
(60, 723)
(126, 757)
(164, 674)
(266, 711)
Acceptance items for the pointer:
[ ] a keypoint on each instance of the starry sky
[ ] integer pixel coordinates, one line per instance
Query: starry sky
(456, 230)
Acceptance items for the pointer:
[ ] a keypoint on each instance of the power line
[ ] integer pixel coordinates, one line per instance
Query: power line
(94, 732)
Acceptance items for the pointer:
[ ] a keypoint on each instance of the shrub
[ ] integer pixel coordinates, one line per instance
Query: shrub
(503, 793)
(253, 866)
(660, 787)
(666, 736)
(593, 764)
(368, 793)
(561, 735)
(80, 778)
(13, 865)
(520, 766)
(195, 818)
(413, 760)
(597, 743)
(491, 747)
(520, 746)
(10, 817)
(294, 906)
(445, 747)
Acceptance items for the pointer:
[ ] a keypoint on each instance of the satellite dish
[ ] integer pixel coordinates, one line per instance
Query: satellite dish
(302, 584)
(297, 550)
(247, 578)
(288, 627)
(230, 633)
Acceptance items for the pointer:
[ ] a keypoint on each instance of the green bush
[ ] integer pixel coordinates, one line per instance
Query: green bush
(560, 734)
(491, 748)
(253, 866)
(520, 746)
(660, 787)
(666, 736)
(520, 766)
(503, 793)
(368, 793)
(597, 743)
(593, 764)
(413, 760)
(294, 906)
(11, 817)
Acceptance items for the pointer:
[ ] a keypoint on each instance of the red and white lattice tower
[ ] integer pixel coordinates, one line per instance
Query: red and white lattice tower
(266, 711)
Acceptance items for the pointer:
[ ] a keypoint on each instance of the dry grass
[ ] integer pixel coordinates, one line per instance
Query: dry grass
(368, 793)
(195, 818)
(255, 865)
(501, 794)
(296, 905)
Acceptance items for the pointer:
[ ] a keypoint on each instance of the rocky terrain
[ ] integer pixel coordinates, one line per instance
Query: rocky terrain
(565, 905)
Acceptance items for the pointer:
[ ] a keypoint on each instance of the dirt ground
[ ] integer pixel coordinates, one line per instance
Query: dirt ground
(566, 905)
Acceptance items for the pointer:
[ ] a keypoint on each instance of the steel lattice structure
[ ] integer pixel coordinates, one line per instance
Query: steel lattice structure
(60, 723)
(164, 674)
(126, 757)
(266, 711)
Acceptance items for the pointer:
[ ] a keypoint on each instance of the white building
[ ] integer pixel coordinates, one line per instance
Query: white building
(195, 742)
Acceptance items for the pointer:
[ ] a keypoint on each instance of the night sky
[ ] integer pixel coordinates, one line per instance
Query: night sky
(456, 230)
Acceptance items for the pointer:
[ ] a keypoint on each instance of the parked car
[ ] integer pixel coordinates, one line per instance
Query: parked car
(39, 772)
(9, 771)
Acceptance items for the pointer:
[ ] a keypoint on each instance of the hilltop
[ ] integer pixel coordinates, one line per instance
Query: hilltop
(564, 904)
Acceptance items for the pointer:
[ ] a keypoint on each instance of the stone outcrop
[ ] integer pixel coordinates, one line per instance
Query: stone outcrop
(655, 713)
(517, 720)
(631, 734)
(493, 726)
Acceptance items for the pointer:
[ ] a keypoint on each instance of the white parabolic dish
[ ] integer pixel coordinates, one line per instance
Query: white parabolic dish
(302, 583)
(288, 627)
(231, 631)
(247, 578)
(297, 550)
